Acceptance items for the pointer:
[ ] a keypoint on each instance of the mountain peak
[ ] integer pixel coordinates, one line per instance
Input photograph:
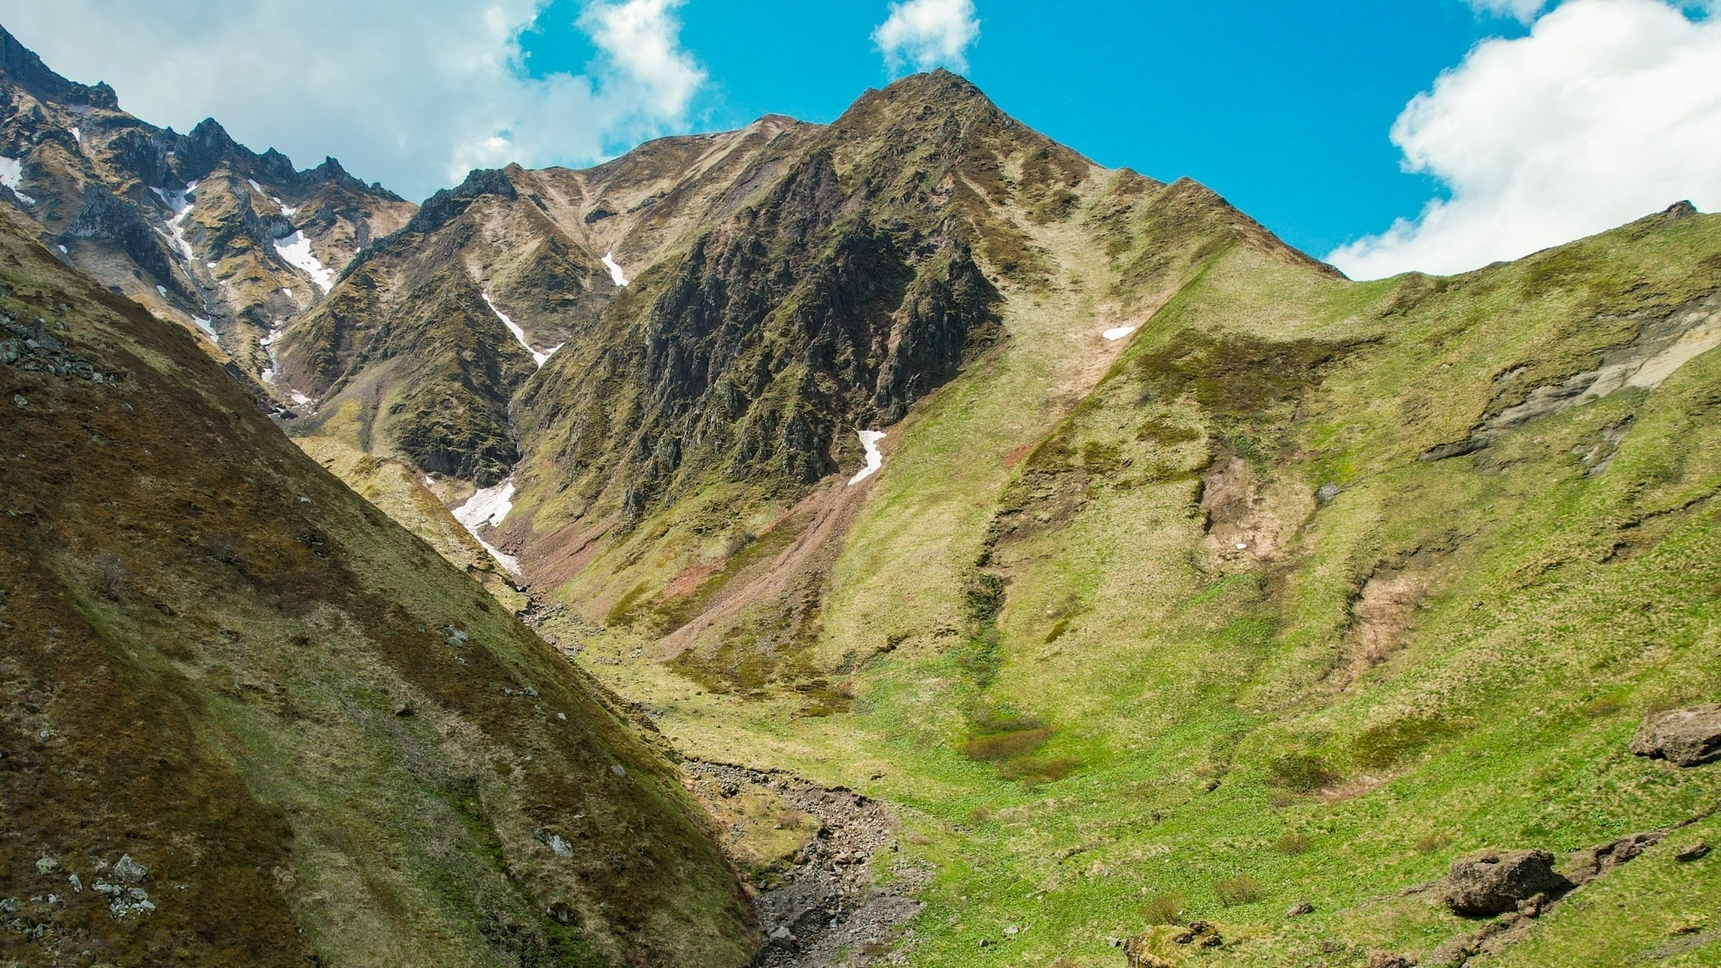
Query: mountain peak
(23, 67)
(939, 87)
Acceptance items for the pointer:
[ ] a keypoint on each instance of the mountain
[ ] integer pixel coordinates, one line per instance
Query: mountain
(250, 720)
(196, 226)
(1188, 579)
(1185, 601)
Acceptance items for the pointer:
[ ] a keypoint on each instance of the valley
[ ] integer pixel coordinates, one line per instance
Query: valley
(941, 550)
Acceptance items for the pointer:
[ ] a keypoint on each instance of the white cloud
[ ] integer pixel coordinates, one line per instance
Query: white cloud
(1524, 10)
(1607, 111)
(411, 92)
(928, 34)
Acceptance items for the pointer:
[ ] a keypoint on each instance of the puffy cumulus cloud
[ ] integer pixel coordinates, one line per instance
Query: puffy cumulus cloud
(928, 33)
(411, 92)
(1607, 111)
(1524, 10)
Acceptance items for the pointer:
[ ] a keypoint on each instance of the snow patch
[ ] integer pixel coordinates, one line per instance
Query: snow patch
(207, 325)
(181, 204)
(289, 212)
(301, 399)
(1119, 333)
(616, 274)
(488, 508)
(874, 458)
(12, 176)
(65, 251)
(162, 290)
(520, 334)
(273, 371)
(296, 250)
(78, 136)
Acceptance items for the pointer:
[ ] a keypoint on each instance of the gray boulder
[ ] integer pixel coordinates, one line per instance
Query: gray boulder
(1684, 737)
(1491, 882)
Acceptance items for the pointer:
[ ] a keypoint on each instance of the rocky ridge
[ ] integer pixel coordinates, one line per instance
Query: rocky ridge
(195, 226)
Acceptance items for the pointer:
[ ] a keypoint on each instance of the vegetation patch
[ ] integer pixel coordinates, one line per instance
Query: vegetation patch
(1302, 772)
(1163, 909)
(1239, 890)
(1233, 375)
(1383, 745)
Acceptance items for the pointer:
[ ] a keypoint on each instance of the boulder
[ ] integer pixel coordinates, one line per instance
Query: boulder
(1491, 882)
(1684, 737)
(1695, 852)
(1380, 958)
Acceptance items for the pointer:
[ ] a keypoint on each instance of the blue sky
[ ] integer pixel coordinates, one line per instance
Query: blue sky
(1383, 135)
(1284, 108)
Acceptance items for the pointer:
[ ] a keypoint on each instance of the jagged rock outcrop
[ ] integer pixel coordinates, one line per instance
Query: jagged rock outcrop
(198, 215)
(110, 219)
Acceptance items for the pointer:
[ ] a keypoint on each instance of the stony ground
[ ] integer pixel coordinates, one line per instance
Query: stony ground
(842, 897)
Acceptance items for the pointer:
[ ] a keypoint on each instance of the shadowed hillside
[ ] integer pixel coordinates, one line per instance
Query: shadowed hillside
(248, 720)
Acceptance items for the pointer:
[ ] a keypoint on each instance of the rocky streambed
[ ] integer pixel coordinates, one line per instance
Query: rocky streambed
(831, 889)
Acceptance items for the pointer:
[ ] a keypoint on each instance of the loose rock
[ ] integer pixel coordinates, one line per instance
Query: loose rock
(1299, 909)
(129, 871)
(1380, 958)
(1696, 851)
(1683, 737)
(1491, 882)
(47, 866)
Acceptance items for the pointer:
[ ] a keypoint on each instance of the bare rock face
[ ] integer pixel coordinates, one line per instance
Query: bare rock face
(1491, 882)
(1684, 737)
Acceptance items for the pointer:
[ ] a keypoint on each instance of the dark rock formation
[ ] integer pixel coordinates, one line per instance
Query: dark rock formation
(107, 217)
(451, 203)
(1491, 882)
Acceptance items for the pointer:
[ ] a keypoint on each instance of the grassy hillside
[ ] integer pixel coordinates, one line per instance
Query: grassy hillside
(322, 743)
(1322, 585)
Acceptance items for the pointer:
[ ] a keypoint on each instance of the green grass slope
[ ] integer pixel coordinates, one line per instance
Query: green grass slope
(1322, 585)
(323, 743)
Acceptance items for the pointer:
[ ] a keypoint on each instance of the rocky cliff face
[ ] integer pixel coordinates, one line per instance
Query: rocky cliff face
(709, 321)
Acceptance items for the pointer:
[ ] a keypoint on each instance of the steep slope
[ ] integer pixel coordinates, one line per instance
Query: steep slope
(196, 227)
(1323, 586)
(786, 286)
(689, 450)
(248, 720)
